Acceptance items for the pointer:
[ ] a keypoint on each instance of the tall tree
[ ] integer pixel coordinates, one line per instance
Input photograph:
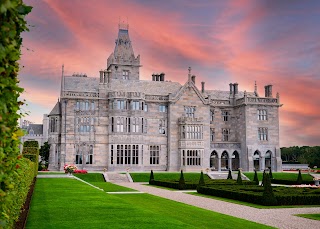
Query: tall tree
(44, 152)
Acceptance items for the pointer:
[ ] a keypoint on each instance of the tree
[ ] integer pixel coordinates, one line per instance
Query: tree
(44, 152)
(263, 178)
(256, 179)
(268, 196)
(239, 179)
(270, 173)
(229, 175)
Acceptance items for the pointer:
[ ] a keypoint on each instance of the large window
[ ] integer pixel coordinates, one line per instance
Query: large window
(191, 132)
(125, 74)
(263, 134)
(120, 124)
(211, 116)
(85, 105)
(191, 157)
(122, 104)
(53, 123)
(78, 155)
(212, 135)
(225, 135)
(89, 159)
(154, 155)
(225, 116)
(189, 111)
(162, 108)
(135, 105)
(84, 124)
(135, 125)
(162, 126)
(125, 154)
(262, 114)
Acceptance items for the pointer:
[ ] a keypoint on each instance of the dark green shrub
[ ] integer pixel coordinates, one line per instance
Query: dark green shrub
(239, 179)
(263, 177)
(229, 175)
(268, 196)
(256, 179)
(270, 173)
(151, 177)
(299, 179)
(181, 181)
(201, 180)
(31, 143)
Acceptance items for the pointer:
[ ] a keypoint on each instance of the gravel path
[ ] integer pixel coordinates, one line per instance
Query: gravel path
(280, 218)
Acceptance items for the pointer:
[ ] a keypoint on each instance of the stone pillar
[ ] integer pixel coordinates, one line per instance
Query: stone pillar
(230, 163)
(219, 164)
(262, 163)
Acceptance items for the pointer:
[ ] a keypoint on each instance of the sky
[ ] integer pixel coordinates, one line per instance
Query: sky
(270, 42)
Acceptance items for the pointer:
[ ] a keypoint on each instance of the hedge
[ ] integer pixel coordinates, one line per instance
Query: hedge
(30, 150)
(16, 194)
(254, 194)
(289, 182)
(31, 144)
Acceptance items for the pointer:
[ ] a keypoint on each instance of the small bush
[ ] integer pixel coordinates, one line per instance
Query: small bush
(256, 179)
(201, 180)
(239, 179)
(151, 176)
(299, 179)
(181, 181)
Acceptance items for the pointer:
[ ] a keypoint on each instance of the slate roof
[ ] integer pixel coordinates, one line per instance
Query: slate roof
(56, 110)
(37, 129)
(145, 86)
(74, 83)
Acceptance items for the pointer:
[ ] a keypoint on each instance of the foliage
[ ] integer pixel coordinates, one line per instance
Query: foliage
(305, 155)
(299, 179)
(263, 177)
(15, 196)
(44, 152)
(229, 175)
(151, 176)
(12, 24)
(31, 143)
(239, 179)
(201, 180)
(270, 173)
(182, 181)
(254, 194)
(268, 196)
(284, 177)
(256, 179)
(30, 150)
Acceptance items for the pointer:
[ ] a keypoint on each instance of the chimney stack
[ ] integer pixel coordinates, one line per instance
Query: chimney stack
(101, 76)
(268, 90)
(231, 88)
(235, 88)
(202, 87)
(193, 78)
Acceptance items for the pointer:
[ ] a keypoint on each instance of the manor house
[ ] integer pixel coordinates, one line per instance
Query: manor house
(117, 122)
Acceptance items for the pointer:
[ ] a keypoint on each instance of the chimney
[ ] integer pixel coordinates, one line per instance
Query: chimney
(153, 77)
(202, 87)
(162, 76)
(268, 90)
(193, 78)
(101, 76)
(105, 72)
(235, 88)
(231, 88)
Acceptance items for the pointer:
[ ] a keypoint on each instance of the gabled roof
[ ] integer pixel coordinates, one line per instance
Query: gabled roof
(188, 84)
(56, 110)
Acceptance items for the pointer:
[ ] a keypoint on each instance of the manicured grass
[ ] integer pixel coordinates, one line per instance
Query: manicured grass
(97, 180)
(68, 203)
(50, 173)
(310, 216)
(281, 176)
(144, 177)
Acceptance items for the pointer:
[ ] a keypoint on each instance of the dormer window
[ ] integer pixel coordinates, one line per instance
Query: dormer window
(125, 74)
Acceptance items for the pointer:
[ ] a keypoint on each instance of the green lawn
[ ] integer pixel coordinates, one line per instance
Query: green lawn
(97, 180)
(310, 216)
(144, 177)
(281, 176)
(68, 203)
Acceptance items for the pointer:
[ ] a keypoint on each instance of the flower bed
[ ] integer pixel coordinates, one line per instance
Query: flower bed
(70, 168)
(83, 171)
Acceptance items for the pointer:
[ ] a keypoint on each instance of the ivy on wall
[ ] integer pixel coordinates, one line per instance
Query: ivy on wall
(12, 24)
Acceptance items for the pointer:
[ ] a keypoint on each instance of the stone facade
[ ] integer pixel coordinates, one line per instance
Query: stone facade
(118, 122)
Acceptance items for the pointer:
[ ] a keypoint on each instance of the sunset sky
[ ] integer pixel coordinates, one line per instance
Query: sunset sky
(271, 42)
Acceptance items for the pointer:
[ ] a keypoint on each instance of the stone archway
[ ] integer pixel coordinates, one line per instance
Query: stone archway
(214, 165)
(256, 160)
(235, 161)
(268, 159)
(225, 161)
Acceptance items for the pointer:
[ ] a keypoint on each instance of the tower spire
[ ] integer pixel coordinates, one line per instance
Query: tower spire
(62, 80)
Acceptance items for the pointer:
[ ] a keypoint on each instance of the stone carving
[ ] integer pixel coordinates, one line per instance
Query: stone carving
(191, 144)
(226, 145)
(81, 94)
(126, 139)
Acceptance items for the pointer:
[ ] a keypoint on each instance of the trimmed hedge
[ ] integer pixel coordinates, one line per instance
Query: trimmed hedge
(254, 194)
(16, 195)
(31, 144)
(289, 182)
(30, 150)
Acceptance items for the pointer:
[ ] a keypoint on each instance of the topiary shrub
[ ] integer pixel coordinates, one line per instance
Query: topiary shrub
(239, 179)
(182, 182)
(151, 177)
(229, 175)
(299, 179)
(268, 196)
(270, 173)
(201, 180)
(256, 179)
(263, 177)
